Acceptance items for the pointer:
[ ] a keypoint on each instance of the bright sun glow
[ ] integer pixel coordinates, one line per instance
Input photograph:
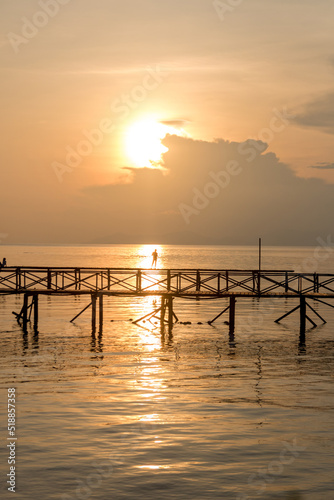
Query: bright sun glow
(143, 142)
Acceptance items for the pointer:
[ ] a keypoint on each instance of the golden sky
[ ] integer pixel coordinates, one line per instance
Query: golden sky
(89, 89)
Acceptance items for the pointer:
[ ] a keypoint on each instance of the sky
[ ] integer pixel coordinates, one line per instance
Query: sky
(187, 121)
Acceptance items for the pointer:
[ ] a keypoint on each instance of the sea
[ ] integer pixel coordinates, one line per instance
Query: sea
(139, 413)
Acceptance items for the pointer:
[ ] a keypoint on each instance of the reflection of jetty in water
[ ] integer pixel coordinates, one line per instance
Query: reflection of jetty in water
(168, 284)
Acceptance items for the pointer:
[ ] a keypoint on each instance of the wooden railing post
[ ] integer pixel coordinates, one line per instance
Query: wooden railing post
(18, 278)
(198, 281)
(138, 281)
(286, 283)
(49, 279)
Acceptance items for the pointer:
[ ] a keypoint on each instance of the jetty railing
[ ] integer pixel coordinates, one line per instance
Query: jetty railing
(179, 282)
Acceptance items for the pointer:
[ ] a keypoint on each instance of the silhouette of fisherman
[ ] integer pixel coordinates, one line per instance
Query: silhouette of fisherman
(155, 258)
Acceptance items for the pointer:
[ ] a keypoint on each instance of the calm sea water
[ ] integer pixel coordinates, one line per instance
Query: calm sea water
(134, 413)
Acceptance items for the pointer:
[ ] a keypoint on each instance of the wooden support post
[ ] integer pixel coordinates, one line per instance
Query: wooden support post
(232, 314)
(147, 317)
(170, 312)
(25, 311)
(287, 314)
(77, 316)
(100, 312)
(302, 310)
(35, 299)
(30, 308)
(163, 311)
(93, 312)
(260, 267)
(316, 313)
(218, 315)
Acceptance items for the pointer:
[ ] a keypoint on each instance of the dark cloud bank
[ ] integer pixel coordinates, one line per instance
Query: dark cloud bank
(318, 114)
(211, 193)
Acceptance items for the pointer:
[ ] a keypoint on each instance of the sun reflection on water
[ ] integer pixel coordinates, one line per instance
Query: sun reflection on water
(153, 467)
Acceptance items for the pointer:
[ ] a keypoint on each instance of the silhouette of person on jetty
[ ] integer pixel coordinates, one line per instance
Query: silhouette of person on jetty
(154, 258)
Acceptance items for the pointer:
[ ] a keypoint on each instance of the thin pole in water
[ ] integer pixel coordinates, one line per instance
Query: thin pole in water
(259, 273)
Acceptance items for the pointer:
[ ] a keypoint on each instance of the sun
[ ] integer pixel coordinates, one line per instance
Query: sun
(143, 142)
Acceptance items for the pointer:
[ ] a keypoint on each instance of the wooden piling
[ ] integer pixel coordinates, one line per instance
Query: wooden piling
(302, 311)
(260, 264)
(100, 312)
(163, 310)
(25, 311)
(170, 312)
(232, 314)
(35, 299)
(93, 312)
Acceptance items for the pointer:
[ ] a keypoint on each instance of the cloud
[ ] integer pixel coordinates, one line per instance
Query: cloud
(224, 192)
(175, 123)
(318, 114)
(323, 166)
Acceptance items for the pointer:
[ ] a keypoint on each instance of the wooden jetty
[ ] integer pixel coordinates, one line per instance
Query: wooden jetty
(168, 284)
